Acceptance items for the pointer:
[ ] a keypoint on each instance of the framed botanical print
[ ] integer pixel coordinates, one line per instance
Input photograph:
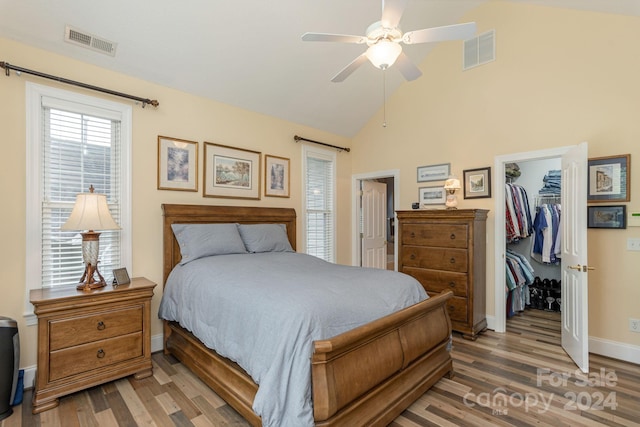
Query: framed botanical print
(177, 164)
(276, 176)
(231, 172)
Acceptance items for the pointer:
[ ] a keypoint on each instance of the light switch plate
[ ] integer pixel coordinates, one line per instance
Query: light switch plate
(633, 244)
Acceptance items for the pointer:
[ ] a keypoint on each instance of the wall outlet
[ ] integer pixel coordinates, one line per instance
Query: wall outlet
(633, 244)
(634, 325)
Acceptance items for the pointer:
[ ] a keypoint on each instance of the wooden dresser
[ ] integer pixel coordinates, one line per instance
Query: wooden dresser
(89, 338)
(446, 249)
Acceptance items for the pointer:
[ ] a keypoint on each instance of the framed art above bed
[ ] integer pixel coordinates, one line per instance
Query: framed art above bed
(232, 173)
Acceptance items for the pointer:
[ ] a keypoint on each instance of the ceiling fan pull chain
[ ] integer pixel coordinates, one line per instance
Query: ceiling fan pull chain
(384, 98)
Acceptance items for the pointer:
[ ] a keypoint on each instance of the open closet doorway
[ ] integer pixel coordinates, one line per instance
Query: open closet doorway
(533, 242)
(374, 203)
(573, 257)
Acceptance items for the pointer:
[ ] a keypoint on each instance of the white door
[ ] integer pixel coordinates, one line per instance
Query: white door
(374, 224)
(575, 330)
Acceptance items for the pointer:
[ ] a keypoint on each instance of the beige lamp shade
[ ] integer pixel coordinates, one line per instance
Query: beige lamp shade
(452, 184)
(90, 213)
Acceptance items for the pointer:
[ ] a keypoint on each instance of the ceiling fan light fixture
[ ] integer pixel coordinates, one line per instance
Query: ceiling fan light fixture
(384, 53)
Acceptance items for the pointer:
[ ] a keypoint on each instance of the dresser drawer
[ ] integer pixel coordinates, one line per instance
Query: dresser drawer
(434, 281)
(457, 308)
(97, 326)
(86, 357)
(441, 235)
(435, 258)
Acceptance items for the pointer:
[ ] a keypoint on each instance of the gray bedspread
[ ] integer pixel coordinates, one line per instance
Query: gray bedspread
(264, 311)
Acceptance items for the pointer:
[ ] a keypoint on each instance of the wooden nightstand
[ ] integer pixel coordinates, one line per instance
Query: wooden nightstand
(89, 338)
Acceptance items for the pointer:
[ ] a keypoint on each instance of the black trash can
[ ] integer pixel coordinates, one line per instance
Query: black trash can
(9, 364)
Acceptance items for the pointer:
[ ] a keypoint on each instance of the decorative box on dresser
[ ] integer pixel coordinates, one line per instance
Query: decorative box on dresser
(446, 249)
(89, 338)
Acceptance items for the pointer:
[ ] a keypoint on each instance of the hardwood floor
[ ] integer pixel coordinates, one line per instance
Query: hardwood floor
(521, 378)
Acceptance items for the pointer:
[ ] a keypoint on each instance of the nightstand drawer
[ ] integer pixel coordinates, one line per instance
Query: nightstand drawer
(79, 330)
(435, 258)
(441, 235)
(94, 355)
(435, 281)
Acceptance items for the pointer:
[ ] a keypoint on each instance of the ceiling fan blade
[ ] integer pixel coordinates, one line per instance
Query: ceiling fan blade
(341, 38)
(392, 12)
(438, 34)
(407, 68)
(346, 71)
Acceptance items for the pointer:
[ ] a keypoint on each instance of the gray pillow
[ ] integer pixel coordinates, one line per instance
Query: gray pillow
(265, 237)
(201, 240)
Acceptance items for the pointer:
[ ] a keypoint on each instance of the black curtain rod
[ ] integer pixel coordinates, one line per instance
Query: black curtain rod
(299, 138)
(144, 101)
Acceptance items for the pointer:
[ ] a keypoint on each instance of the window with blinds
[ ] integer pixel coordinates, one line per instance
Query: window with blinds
(79, 150)
(74, 141)
(319, 203)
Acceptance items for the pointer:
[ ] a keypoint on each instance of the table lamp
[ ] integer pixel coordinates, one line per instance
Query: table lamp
(90, 213)
(451, 185)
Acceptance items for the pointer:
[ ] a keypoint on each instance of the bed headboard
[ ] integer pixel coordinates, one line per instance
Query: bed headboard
(183, 214)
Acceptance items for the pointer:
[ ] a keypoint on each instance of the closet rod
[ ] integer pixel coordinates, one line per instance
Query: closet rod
(297, 138)
(9, 67)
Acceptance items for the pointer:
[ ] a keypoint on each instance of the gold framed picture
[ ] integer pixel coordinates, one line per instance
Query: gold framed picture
(276, 176)
(230, 172)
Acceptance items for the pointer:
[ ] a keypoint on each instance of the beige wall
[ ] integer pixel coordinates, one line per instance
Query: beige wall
(179, 115)
(561, 77)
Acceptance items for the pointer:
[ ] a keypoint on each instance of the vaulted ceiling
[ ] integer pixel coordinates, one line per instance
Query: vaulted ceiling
(247, 53)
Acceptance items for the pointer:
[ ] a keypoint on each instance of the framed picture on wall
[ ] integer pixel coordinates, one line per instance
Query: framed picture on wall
(607, 216)
(434, 172)
(177, 164)
(276, 176)
(609, 179)
(432, 195)
(230, 172)
(477, 183)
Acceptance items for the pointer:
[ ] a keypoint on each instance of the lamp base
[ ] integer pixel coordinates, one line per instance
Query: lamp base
(88, 282)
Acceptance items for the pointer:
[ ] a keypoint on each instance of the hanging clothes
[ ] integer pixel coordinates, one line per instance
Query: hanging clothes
(518, 213)
(519, 274)
(546, 247)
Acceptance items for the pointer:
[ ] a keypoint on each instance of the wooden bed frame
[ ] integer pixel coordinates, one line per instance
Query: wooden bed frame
(366, 376)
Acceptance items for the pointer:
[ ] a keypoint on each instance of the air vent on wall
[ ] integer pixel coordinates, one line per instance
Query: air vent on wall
(479, 50)
(90, 41)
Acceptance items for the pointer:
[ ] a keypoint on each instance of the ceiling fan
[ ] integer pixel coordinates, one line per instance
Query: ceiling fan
(384, 39)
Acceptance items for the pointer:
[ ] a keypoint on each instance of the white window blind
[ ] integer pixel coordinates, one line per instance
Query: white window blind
(79, 150)
(319, 200)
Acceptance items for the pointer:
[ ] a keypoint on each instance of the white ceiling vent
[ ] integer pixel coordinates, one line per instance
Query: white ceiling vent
(479, 50)
(90, 41)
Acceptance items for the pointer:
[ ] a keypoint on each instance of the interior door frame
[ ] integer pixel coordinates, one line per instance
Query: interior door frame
(355, 210)
(500, 311)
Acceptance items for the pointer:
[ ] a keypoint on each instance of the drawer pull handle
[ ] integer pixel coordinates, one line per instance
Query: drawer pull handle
(413, 234)
(453, 236)
(452, 260)
(100, 354)
(452, 284)
(413, 256)
(451, 308)
(101, 325)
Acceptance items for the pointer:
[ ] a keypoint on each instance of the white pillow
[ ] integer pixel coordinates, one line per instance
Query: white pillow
(201, 240)
(265, 237)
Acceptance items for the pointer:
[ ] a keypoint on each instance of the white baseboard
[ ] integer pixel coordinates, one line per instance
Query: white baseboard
(615, 350)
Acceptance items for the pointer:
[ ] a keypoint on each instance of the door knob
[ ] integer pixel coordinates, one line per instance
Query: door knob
(582, 268)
